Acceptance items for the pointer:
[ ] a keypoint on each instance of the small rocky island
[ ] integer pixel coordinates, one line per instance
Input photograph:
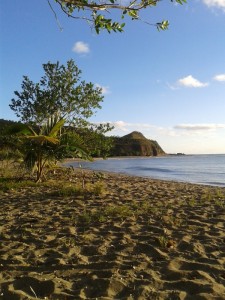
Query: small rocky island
(135, 144)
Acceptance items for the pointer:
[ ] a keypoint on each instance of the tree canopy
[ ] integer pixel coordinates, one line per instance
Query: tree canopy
(61, 91)
(55, 116)
(97, 12)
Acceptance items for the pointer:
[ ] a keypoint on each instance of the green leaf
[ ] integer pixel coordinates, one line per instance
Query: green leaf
(133, 14)
(20, 129)
(163, 25)
(54, 131)
(181, 1)
(40, 139)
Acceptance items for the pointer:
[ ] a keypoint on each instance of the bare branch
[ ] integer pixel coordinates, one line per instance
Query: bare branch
(57, 20)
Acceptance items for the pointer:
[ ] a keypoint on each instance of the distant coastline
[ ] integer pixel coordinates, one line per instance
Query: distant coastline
(177, 154)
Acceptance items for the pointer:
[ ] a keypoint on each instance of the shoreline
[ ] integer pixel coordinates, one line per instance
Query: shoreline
(152, 176)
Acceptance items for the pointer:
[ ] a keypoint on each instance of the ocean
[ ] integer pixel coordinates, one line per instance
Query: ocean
(199, 169)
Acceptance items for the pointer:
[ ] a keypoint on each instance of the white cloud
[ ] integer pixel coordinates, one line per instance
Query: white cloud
(199, 127)
(148, 130)
(215, 3)
(190, 81)
(172, 87)
(220, 77)
(81, 48)
(131, 126)
(120, 126)
(105, 89)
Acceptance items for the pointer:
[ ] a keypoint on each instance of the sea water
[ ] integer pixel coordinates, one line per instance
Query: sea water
(201, 169)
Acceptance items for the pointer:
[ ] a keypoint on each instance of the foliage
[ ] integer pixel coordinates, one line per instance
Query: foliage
(70, 189)
(96, 12)
(59, 90)
(55, 112)
(8, 143)
(97, 143)
(47, 145)
(121, 212)
(4, 125)
(8, 154)
(37, 146)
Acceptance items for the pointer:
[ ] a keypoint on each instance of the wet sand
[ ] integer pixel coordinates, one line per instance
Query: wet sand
(138, 239)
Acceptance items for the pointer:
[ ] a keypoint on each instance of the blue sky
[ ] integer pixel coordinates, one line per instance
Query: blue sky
(168, 85)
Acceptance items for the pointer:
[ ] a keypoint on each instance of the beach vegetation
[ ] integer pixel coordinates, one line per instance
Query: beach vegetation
(216, 196)
(146, 208)
(7, 155)
(70, 190)
(43, 147)
(206, 196)
(173, 220)
(163, 240)
(37, 146)
(220, 202)
(176, 221)
(54, 117)
(166, 242)
(119, 212)
(220, 195)
(192, 201)
(11, 170)
(98, 175)
(77, 189)
(68, 241)
(98, 13)
(85, 218)
(10, 184)
(97, 188)
(9, 152)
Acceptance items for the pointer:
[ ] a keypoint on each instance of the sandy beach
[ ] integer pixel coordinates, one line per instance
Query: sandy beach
(124, 238)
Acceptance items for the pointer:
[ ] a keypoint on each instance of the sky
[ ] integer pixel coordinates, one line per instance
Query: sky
(168, 85)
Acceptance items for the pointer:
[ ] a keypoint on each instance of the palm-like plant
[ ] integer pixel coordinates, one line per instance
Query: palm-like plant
(39, 147)
(48, 144)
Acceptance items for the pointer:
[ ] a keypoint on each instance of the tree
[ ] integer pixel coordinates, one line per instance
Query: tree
(95, 12)
(54, 112)
(59, 91)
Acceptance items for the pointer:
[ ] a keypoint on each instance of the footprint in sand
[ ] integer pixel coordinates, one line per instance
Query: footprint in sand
(34, 287)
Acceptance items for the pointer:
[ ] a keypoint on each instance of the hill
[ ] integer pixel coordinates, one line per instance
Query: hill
(135, 144)
(4, 124)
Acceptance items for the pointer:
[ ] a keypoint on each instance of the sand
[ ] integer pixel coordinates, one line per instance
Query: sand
(139, 239)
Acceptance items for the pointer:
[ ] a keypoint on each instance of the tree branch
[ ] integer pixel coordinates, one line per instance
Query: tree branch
(57, 20)
(134, 5)
(97, 8)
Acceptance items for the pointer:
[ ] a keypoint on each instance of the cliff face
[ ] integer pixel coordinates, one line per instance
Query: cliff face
(135, 144)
